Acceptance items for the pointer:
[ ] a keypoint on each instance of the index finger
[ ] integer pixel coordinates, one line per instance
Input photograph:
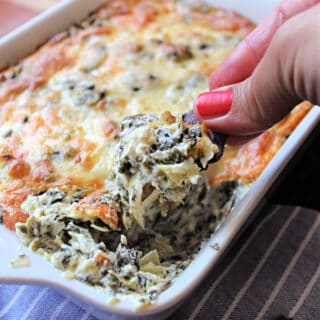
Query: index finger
(241, 63)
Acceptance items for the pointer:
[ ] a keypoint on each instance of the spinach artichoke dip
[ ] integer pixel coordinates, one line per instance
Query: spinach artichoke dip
(99, 170)
(156, 201)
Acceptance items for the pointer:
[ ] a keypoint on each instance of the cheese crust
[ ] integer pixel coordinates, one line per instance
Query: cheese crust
(60, 107)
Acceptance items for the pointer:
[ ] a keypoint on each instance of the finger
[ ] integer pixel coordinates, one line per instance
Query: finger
(241, 63)
(287, 75)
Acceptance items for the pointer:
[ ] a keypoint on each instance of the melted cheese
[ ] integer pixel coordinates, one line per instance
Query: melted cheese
(60, 107)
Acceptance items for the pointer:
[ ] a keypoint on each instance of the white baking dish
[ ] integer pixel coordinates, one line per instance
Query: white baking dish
(26, 39)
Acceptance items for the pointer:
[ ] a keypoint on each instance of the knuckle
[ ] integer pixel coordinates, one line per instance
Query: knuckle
(250, 111)
(255, 110)
(251, 49)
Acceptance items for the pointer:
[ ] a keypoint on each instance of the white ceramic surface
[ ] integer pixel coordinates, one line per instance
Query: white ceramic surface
(24, 40)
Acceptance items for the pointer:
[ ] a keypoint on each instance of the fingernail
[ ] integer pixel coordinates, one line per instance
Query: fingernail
(214, 103)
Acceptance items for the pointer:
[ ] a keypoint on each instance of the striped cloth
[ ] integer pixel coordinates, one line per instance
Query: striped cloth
(272, 272)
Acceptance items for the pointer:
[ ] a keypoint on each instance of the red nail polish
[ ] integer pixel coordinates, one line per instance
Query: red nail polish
(214, 103)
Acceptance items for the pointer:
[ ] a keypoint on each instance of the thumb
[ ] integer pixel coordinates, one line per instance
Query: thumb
(286, 75)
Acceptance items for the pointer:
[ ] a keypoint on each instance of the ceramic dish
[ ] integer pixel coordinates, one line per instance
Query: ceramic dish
(25, 40)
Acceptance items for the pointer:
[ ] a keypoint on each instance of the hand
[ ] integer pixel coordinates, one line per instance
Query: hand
(278, 65)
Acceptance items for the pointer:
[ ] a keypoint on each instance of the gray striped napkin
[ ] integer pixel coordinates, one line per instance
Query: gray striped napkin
(272, 272)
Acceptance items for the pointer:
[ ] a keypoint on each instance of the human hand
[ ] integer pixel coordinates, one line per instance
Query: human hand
(274, 68)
